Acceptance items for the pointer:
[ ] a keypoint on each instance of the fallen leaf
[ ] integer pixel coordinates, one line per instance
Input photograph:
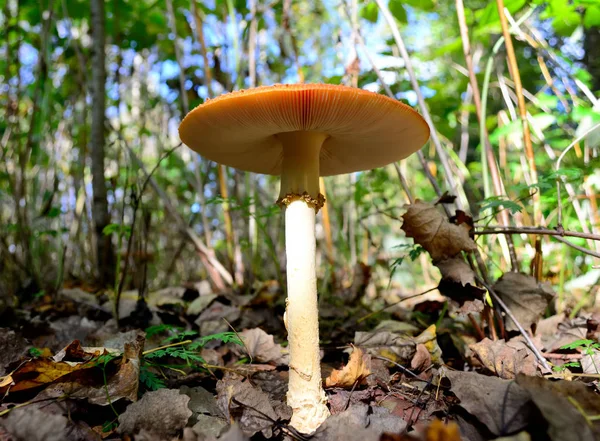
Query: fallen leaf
(565, 406)
(504, 359)
(458, 280)
(33, 424)
(590, 363)
(470, 307)
(500, 405)
(422, 359)
(12, 348)
(556, 333)
(440, 431)
(200, 304)
(354, 373)
(430, 228)
(261, 347)
(122, 378)
(201, 401)
(360, 422)
(525, 297)
(163, 412)
(401, 347)
(240, 401)
(234, 434)
(339, 400)
(208, 425)
(397, 347)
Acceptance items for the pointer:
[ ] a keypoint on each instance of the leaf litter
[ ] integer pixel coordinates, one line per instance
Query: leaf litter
(214, 366)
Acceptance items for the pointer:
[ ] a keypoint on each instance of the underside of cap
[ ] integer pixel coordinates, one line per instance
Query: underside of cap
(364, 130)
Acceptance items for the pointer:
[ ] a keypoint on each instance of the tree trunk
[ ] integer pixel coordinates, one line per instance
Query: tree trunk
(591, 45)
(104, 250)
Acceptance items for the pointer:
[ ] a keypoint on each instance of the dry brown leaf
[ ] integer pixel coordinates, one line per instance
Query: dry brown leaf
(525, 297)
(354, 373)
(261, 347)
(471, 307)
(500, 405)
(247, 404)
(82, 379)
(458, 280)
(163, 412)
(431, 229)
(505, 359)
(567, 406)
(421, 360)
(440, 431)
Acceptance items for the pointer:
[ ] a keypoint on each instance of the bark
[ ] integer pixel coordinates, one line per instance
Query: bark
(100, 213)
(591, 46)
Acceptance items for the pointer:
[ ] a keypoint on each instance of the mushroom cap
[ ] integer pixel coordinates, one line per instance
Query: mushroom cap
(365, 130)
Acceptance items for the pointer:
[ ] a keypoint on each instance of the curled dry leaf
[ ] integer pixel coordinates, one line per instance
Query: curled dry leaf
(78, 374)
(458, 280)
(262, 347)
(163, 412)
(525, 297)
(422, 359)
(432, 230)
(505, 359)
(354, 373)
(399, 348)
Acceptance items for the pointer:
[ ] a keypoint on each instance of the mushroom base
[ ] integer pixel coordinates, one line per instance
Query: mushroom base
(305, 394)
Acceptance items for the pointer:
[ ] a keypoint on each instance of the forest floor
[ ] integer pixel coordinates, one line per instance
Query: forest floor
(188, 364)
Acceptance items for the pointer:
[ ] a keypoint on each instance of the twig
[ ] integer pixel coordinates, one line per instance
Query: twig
(180, 343)
(524, 333)
(557, 234)
(404, 183)
(551, 355)
(499, 229)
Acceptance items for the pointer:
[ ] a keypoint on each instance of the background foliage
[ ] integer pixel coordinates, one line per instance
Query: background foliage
(163, 57)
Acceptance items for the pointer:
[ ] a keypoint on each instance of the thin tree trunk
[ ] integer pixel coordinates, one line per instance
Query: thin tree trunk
(104, 249)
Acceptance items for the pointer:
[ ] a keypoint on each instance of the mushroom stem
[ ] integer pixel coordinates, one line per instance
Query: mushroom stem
(300, 195)
(305, 394)
(300, 166)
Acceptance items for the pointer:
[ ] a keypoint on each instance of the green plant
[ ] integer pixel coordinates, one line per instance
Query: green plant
(179, 347)
(413, 253)
(588, 347)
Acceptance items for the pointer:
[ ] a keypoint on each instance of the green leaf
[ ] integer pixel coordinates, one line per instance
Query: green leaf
(490, 15)
(592, 17)
(159, 329)
(370, 12)
(577, 344)
(398, 10)
(496, 202)
(423, 5)
(110, 229)
(150, 379)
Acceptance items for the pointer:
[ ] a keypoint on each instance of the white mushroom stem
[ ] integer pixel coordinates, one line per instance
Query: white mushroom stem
(300, 173)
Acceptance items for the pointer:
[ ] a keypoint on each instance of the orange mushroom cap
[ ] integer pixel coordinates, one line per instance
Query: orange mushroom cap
(365, 130)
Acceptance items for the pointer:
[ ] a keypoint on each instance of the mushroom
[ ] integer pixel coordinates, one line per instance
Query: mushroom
(302, 132)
